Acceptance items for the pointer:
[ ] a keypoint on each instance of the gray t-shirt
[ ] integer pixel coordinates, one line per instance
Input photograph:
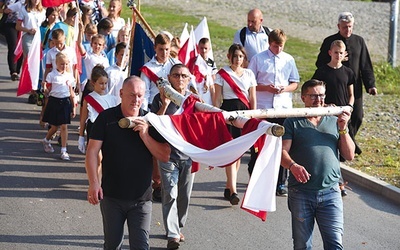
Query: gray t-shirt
(171, 109)
(315, 148)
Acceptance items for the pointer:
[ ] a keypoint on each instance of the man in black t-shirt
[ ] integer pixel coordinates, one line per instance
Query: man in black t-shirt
(124, 192)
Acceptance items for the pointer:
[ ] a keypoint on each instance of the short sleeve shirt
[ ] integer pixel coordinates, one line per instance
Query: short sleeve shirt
(315, 148)
(127, 163)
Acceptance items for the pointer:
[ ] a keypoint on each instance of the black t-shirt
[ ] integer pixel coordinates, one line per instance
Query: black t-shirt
(127, 163)
(337, 82)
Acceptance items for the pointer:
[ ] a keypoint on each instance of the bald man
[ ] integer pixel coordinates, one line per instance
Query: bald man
(254, 37)
(124, 192)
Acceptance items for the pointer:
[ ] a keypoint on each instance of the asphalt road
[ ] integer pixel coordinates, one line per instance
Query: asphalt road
(43, 199)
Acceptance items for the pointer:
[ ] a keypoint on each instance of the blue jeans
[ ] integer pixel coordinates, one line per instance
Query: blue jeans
(138, 216)
(324, 206)
(177, 183)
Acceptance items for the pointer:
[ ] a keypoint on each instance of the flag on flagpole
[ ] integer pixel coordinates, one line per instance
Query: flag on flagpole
(143, 50)
(260, 194)
(202, 31)
(189, 49)
(30, 67)
(75, 45)
(185, 35)
(189, 133)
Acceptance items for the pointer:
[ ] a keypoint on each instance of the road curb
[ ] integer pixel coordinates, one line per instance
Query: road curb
(371, 183)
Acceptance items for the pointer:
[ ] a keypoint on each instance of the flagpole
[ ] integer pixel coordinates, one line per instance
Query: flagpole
(144, 21)
(130, 5)
(230, 117)
(239, 117)
(178, 99)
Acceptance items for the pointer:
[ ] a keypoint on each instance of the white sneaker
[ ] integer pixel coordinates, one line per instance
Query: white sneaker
(65, 156)
(47, 147)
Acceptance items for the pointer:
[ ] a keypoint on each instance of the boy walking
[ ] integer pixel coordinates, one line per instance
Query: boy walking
(277, 77)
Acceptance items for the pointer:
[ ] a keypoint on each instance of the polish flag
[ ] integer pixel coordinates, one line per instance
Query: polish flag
(199, 69)
(190, 134)
(185, 35)
(188, 50)
(30, 67)
(18, 49)
(202, 31)
(75, 44)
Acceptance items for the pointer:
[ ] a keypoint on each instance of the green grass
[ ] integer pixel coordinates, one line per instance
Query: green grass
(378, 159)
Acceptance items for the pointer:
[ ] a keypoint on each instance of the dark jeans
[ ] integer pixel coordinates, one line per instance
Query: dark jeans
(138, 216)
(11, 35)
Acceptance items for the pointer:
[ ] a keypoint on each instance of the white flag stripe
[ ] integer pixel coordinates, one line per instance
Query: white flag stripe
(260, 193)
(33, 57)
(203, 31)
(185, 35)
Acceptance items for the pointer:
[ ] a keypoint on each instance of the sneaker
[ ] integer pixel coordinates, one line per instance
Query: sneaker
(47, 147)
(281, 191)
(64, 156)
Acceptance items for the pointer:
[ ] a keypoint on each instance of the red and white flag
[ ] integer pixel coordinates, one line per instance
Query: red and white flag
(188, 50)
(30, 67)
(199, 69)
(202, 31)
(185, 35)
(18, 49)
(190, 134)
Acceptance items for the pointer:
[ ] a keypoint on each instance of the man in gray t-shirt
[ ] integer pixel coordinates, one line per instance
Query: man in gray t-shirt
(310, 150)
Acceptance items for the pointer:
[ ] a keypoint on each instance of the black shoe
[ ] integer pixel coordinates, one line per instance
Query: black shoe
(14, 77)
(32, 99)
(157, 194)
(281, 191)
(227, 194)
(234, 199)
(173, 243)
(343, 192)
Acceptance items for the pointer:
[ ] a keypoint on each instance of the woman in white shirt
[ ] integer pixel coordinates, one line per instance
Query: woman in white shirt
(235, 89)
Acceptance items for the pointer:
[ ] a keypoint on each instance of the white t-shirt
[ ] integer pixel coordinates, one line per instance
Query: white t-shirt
(90, 60)
(68, 51)
(116, 78)
(106, 101)
(32, 19)
(117, 25)
(244, 82)
(60, 83)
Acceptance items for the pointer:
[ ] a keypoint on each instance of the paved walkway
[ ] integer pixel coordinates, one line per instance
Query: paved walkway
(43, 206)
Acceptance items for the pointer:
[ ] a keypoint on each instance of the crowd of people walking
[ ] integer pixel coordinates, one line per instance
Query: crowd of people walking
(84, 71)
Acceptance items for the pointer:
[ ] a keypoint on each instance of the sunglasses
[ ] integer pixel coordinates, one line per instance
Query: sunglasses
(315, 96)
